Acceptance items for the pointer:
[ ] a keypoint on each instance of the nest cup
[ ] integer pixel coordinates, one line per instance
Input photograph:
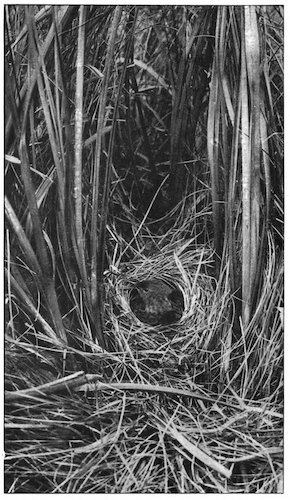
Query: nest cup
(156, 302)
(179, 270)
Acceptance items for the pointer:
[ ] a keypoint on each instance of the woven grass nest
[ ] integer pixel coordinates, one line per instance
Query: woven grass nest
(180, 269)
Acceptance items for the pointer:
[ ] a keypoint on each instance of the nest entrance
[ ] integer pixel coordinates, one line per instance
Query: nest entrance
(155, 302)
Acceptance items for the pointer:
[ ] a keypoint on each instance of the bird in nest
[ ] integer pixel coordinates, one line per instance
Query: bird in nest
(156, 303)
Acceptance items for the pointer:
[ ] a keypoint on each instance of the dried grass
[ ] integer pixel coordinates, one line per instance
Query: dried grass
(96, 401)
(172, 409)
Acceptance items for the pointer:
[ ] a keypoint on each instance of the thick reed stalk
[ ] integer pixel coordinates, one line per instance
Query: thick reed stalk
(96, 270)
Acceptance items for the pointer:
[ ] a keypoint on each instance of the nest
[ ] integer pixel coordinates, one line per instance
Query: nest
(175, 344)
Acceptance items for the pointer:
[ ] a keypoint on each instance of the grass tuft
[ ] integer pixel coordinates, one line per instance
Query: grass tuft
(129, 135)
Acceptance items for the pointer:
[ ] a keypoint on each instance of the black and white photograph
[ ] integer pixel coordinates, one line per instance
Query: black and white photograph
(143, 248)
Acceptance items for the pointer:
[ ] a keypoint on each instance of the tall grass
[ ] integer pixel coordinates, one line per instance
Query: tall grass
(240, 163)
(143, 142)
